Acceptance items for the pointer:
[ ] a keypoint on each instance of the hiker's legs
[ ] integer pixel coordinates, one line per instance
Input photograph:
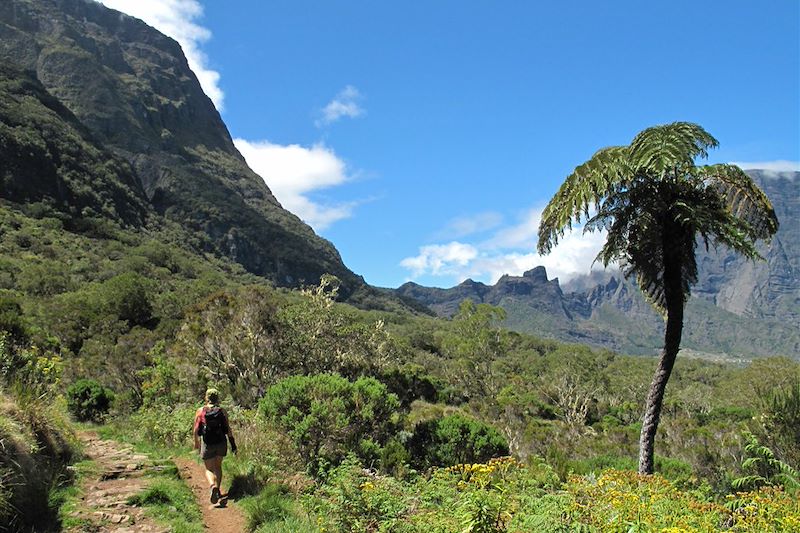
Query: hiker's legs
(218, 470)
(211, 471)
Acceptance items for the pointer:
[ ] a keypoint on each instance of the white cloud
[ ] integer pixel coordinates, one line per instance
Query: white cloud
(293, 172)
(771, 168)
(510, 250)
(176, 18)
(441, 259)
(344, 104)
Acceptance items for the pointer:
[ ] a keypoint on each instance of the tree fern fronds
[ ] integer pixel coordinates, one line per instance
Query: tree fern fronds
(743, 198)
(670, 146)
(582, 190)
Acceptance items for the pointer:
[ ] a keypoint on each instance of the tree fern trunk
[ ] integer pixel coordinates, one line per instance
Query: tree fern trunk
(675, 298)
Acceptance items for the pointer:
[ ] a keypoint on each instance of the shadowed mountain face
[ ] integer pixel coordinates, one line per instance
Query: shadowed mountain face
(739, 308)
(129, 88)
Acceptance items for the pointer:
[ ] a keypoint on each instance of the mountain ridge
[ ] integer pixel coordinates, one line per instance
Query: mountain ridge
(757, 302)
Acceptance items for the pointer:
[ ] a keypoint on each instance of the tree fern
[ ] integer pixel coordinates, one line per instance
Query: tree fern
(654, 202)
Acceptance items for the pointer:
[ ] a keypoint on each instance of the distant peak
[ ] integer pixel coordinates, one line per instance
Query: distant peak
(538, 274)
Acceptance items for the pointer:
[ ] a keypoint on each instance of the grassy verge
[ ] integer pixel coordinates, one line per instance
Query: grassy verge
(274, 510)
(66, 498)
(171, 502)
(36, 445)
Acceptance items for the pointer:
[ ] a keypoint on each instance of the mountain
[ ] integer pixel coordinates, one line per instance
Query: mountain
(122, 95)
(739, 308)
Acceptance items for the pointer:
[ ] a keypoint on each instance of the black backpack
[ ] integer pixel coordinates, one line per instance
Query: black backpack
(215, 426)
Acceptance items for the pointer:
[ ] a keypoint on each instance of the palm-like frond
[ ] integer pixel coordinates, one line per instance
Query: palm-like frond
(582, 189)
(743, 198)
(661, 149)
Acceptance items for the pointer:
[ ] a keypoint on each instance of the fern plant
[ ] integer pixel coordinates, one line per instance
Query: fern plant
(767, 470)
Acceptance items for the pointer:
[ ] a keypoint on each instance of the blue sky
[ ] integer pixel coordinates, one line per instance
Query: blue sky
(423, 138)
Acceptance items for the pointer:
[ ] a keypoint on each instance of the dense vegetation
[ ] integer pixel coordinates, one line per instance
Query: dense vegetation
(147, 317)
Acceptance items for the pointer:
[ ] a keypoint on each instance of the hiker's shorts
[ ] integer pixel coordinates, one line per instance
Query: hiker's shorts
(209, 451)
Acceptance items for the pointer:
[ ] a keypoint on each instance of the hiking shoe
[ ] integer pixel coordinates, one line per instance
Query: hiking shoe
(214, 495)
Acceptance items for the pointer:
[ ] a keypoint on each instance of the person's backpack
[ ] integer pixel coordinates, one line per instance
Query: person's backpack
(214, 425)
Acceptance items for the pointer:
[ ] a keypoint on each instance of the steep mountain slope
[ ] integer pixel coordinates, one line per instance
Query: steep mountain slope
(132, 90)
(739, 308)
(48, 155)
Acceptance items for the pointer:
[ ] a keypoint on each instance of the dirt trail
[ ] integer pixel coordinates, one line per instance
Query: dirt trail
(122, 474)
(219, 518)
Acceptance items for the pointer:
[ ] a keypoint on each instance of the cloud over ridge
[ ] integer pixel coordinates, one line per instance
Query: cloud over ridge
(508, 250)
(293, 172)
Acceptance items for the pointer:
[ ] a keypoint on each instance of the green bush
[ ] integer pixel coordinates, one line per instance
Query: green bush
(88, 400)
(454, 439)
(164, 426)
(327, 416)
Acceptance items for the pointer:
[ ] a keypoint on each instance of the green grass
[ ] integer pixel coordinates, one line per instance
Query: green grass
(66, 498)
(172, 503)
(273, 510)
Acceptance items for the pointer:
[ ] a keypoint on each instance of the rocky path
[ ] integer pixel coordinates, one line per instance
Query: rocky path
(121, 474)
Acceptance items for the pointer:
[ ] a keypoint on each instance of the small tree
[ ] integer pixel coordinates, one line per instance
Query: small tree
(474, 344)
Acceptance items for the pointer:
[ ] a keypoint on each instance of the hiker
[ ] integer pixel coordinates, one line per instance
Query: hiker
(210, 429)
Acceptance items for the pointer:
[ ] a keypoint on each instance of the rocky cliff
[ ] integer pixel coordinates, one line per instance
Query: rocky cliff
(130, 89)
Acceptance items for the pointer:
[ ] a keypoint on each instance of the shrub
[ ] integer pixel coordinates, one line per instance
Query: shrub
(327, 416)
(87, 400)
(454, 439)
(165, 426)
